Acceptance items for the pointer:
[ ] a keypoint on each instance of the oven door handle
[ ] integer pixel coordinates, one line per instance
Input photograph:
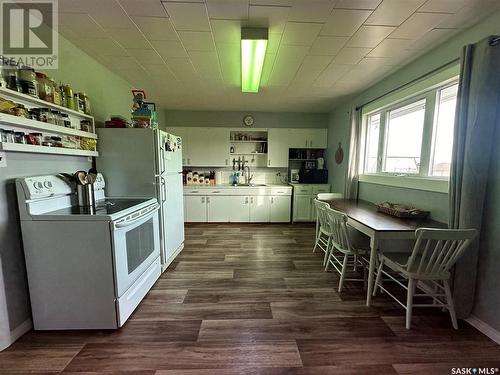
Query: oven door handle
(128, 223)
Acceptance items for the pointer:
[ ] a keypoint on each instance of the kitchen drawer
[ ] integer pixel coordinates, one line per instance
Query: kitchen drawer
(302, 189)
(195, 192)
(281, 191)
(321, 189)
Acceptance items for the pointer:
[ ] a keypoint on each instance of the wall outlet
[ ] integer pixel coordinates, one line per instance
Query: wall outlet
(3, 159)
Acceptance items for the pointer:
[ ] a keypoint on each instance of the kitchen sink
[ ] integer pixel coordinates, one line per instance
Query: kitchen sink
(251, 185)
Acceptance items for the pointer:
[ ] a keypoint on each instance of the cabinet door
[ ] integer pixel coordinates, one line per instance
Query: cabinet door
(299, 138)
(218, 209)
(239, 209)
(195, 209)
(215, 146)
(280, 208)
(317, 138)
(302, 208)
(277, 148)
(260, 209)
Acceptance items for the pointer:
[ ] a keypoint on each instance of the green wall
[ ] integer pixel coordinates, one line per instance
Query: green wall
(234, 119)
(487, 296)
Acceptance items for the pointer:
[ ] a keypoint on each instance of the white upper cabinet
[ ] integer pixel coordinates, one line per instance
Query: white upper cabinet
(277, 148)
(308, 138)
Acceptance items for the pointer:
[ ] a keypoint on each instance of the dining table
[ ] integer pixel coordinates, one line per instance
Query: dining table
(378, 226)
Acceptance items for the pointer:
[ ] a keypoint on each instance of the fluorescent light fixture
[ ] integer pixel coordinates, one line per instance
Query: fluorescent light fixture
(253, 52)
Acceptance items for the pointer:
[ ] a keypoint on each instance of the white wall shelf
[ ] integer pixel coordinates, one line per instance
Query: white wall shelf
(251, 141)
(19, 147)
(21, 122)
(13, 95)
(248, 153)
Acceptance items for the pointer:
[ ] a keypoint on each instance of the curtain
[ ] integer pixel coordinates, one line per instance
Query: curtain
(351, 185)
(477, 115)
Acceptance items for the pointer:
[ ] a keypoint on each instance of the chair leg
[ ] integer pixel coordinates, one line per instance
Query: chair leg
(326, 258)
(451, 306)
(355, 263)
(317, 236)
(377, 280)
(409, 302)
(342, 275)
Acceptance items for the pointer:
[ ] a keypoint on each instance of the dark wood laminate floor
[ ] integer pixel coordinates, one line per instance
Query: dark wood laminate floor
(253, 299)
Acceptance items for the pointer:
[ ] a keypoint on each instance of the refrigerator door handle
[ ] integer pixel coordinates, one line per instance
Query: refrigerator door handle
(163, 189)
(162, 160)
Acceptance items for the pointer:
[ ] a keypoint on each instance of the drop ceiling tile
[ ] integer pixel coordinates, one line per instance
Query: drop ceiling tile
(160, 71)
(331, 74)
(226, 32)
(273, 43)
(109, 14)
(281, 3)
(418, 24)
(81, 24)
(310, 10)
(207, 65)
(128, 38)
(328, 45)
(145, 57)
(300, 33)
(349, 55)
(123, 62)
(431, 38)
(357, 4)
(371, 62)
(344, 22)
(183, 69)
(169, 48)
(288, 61)
(228, 9)
(390, 48)
(156, 28)
(311, 68)
(188, 16)
(105, 46)
(370, 36)
(230, 62)
(273, 17)
(268, 68)
(143, 8)
(443, 6)
(197, 40)
(393, 12)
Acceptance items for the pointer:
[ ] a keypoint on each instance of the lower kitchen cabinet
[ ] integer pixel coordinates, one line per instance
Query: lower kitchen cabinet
(228, 209)
(302, 208)
(260, 209)
(280, 209)
(195, 209)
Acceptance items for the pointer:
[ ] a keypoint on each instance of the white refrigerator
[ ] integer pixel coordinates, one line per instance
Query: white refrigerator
(147, 163)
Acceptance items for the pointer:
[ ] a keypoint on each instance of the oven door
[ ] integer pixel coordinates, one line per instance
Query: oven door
(136, 246)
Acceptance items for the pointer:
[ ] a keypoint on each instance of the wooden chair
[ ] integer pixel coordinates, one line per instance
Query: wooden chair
(325, 197)
(323, 229)
(427, 268)
(342, 248)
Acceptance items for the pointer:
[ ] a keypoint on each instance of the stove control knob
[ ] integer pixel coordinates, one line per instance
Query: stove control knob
(47, 184)
(38, 185)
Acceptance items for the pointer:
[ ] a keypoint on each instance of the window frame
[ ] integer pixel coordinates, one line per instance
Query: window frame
(423, 179)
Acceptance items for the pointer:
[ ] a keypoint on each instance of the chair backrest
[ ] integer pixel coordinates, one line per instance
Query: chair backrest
(322, 216)
(338, 225)
(437, 250)
(329, 196)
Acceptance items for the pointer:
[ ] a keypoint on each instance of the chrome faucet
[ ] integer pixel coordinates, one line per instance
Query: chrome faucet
(248, 177)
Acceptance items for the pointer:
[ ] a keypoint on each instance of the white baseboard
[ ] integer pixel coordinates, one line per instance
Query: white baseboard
(481, 326)
(20, 330)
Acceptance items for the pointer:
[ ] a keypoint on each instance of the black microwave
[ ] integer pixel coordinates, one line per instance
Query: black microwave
(313, 176)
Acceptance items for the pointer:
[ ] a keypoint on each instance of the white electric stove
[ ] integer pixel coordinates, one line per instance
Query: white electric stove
(88, 268)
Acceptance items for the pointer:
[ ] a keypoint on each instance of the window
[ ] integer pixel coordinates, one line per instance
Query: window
(404, 138)
(413, 137)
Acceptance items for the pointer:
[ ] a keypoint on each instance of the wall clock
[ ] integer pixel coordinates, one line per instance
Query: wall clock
(248, 120)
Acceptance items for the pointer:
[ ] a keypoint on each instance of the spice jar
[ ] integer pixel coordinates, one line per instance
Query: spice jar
(66, 122)
(34, 139)
(56, 92)
(68, 94)
(8, 136)
(27, 81)
(19, 137)
(35, 114)
(51, 119)
(85, 102)
(21, 111)
(57, 141)
(58, 120)
(78, 103)
(86, 126)
(11, 76)
(60, 89)
(45, 90)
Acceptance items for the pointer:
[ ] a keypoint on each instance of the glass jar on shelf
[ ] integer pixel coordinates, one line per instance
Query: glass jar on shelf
(45, 90)
(34, 139)
(84, 103)
(86, 126)
(27, 81)
(66, 122)
(56, 92)
(8, 136)
(20, 137)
